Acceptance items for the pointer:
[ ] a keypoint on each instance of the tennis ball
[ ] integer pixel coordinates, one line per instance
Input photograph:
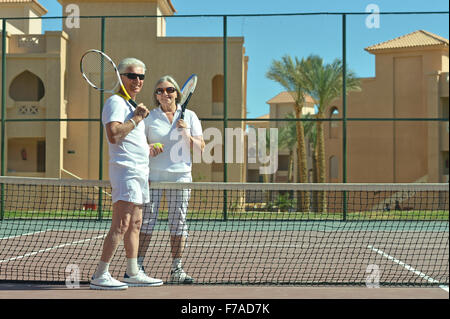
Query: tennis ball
(157, 145)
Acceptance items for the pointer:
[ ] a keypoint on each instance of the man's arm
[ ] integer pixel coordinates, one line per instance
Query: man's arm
(117, 131)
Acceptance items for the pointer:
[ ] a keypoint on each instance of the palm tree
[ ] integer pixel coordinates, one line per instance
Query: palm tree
(288, 140)
(324, 84)
(287, 73)
(311, 135)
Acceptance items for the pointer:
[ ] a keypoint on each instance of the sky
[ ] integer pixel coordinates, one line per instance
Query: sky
(269, 38)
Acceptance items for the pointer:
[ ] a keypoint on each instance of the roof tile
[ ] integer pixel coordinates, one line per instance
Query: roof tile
(419, 38)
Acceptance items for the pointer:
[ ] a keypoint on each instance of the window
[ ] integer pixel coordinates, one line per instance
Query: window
(27, 87)
(283, 162)
(333, 126)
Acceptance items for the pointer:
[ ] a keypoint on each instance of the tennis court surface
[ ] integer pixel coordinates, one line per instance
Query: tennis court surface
(257, 237)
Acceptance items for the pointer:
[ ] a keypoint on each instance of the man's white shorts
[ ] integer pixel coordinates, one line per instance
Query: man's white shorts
(129, 184)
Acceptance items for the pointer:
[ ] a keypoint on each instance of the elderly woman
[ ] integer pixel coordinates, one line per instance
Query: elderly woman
(165, 131)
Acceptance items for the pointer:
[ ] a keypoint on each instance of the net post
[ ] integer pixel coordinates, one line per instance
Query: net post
(2, 186)
(100, 160)
(225, 117)
(344, 113)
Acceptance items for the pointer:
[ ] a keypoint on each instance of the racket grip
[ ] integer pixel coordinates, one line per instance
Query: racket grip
(183, 107)
(132, 102)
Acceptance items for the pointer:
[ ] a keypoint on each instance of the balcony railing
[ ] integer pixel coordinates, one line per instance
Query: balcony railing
(26, 109)
(31, 43)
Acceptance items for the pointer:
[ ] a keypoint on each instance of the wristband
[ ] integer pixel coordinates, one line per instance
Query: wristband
(134, 123)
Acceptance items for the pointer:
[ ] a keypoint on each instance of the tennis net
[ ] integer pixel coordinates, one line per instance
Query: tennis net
(239, 233)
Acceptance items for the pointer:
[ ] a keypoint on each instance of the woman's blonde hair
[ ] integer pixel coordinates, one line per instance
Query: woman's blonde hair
(167, 78)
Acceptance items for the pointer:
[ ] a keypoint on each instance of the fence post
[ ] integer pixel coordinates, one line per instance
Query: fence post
(100, 161)
(344, 113)
(3, 129)
(225, 117)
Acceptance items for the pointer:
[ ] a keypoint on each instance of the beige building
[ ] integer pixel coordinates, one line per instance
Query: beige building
(43, 81)
(411, 82)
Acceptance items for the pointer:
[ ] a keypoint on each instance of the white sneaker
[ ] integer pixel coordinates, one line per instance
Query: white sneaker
(179, 276)
(107, 282)
(141, 280)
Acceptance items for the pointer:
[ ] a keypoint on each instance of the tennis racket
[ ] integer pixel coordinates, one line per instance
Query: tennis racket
(187, 90)
(101, 73)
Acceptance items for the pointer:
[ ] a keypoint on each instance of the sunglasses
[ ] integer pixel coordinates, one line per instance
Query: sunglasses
(134, 76)
(169, 90)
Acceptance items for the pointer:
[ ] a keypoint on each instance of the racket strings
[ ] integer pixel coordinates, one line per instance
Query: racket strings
(99, 71)
(188, 88)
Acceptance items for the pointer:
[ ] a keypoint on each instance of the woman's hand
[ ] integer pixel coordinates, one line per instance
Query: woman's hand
(185, 130)
(156, 148)
(182, 124)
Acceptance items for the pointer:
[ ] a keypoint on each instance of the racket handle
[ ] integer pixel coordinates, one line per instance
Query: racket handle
(132, 102)
(183, 107)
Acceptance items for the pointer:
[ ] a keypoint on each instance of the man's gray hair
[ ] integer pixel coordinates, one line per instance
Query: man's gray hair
(127, 62)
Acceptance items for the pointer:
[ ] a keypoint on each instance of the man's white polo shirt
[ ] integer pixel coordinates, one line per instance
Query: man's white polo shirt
(133, 150)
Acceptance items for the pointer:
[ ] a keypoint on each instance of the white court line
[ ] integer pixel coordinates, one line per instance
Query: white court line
(51, 248)
(27, 234)
(408, 267)
(238, 246)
